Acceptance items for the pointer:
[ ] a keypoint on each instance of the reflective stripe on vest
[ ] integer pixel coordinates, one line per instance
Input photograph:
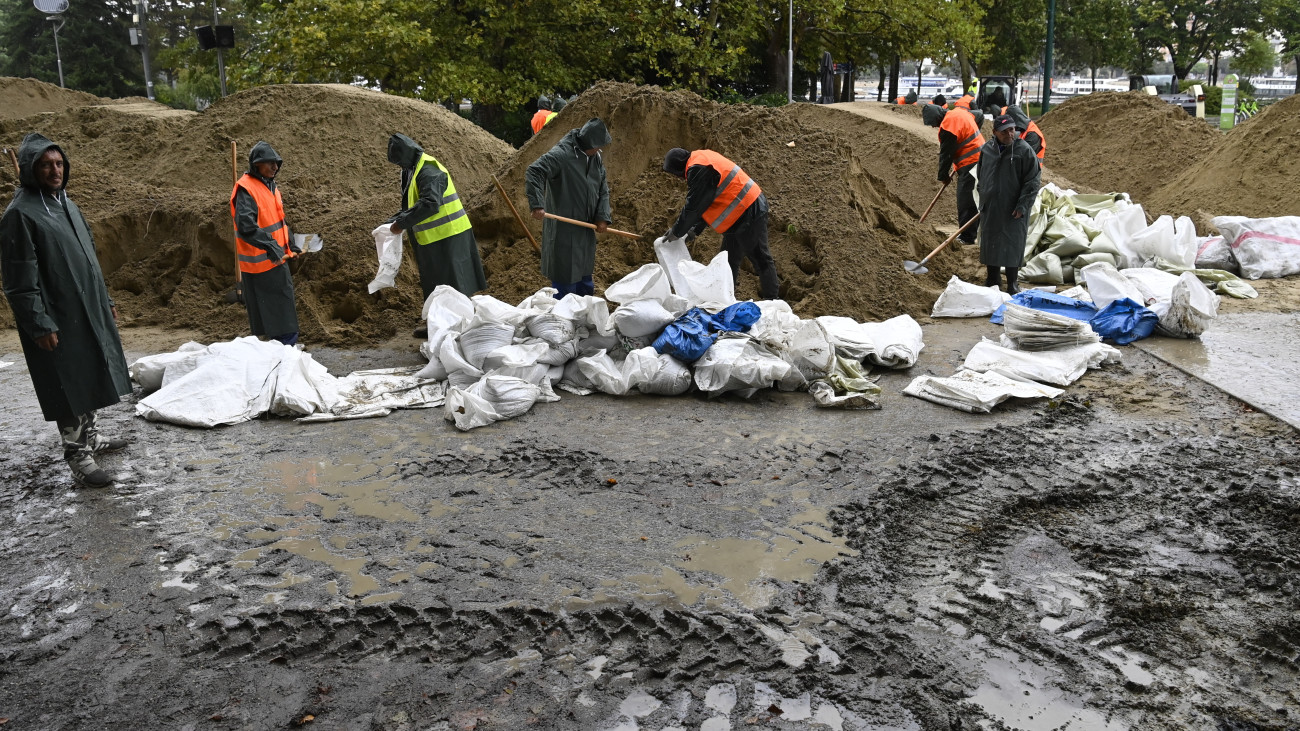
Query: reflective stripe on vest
(1042, 141)
(450, 218)
(961, 124)
(735, 192)
(270, 220)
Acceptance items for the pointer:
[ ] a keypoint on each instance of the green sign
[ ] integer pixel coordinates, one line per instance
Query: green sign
(1228, 112)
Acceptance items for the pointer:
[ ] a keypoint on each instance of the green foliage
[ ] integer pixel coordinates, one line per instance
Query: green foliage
(97, 56)
(1017, 31)
(1187, 31)
(1213, 95)
(1092, 34)
(1256, 56)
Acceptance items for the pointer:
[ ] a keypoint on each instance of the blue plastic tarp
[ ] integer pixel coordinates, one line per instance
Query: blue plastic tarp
(1124, 321)
(1037, 299)
(689, 336)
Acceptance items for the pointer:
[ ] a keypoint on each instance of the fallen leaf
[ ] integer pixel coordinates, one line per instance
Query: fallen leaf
(612, 481)
(716, 482)
(306, 719)
(215, 717)
(644, 538)
(775, 710)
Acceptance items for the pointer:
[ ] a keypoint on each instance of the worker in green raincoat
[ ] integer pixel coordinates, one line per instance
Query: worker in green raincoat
(1009, 177)
(569, 181)
(67, 323)
(436, 222)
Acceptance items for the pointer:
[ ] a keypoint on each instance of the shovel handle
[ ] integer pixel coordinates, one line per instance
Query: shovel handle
(234, 175)
(536, 247)
(948, 240)
(592, 226)
(14, 159)
(936, 200)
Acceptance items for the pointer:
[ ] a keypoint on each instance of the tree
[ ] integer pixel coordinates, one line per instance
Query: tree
(1188, 29)
(1256, 57)
(1091, 34)
(94, 44)
(1016, 32)
(1283, 17)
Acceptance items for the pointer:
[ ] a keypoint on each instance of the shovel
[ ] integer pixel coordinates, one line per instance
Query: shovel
(914, 267)
(936, 200)
(592, 226)
(236, 294)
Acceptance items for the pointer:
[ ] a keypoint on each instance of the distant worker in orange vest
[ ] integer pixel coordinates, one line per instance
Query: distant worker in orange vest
(263, 243)
(911, 97)
(1029, 131)
(940, 100)
(722, 196)
(543, 115)
(959, 147)
(964, 102)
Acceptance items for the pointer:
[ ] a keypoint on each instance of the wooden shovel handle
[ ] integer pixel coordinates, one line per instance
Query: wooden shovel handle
(592, 226)
(14, 159)
(234, 175)
(936, 200)
(536, 247)
(948, 240)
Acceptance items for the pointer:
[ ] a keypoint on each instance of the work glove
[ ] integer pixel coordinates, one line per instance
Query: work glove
(690, 236)
(945, 179)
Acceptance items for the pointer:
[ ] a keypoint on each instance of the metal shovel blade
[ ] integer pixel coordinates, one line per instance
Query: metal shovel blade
(914, 268)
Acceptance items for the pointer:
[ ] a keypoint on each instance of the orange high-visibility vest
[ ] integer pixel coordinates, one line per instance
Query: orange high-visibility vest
(964, 102)
(900, 101)
(961, 124)
(736, 191)
(270, 220)
(1033, 127)
(541, 118)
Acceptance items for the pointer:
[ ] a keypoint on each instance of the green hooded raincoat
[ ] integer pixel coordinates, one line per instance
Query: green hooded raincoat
(566, 182)
(54, 285)
(1008, 182)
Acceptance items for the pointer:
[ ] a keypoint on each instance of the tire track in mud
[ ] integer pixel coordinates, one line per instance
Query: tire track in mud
(1125, 559)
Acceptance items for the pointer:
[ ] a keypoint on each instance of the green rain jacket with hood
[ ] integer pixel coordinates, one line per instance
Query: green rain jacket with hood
(54, 284)
(1008, 181)
(453, 261)
(566, 182)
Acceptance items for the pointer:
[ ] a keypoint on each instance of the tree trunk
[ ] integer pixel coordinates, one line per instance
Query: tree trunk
(880, 87)
(1094, 78)
(963, 66)
(1297, 73)
(894, 70)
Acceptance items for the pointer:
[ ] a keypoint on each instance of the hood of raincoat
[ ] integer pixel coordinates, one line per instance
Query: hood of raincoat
(544, 102)
(1016, 113)
(404, 151)
(262, 152)
(675, 162)
(34, 146)
(933, 115)
(559, 104)
(593, 134)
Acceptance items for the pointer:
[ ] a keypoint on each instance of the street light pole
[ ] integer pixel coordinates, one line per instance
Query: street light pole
(789, 57)
(1047, 56)
(141, 20)
(57, 20)
(221, 52)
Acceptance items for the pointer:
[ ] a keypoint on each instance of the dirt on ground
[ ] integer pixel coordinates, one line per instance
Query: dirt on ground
(1124, 142)
(1252, 171)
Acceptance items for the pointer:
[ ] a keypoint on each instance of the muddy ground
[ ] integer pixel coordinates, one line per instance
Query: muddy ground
(1124, 558)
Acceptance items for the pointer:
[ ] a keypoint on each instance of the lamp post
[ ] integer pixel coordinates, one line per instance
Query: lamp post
(789, 57)
(140, 37)
(1047, 56)
(53, 9)
(221, 52)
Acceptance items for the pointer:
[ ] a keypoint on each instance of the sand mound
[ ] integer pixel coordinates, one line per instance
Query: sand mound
(843, 206)
(156, 189)
(25, 97)
(1124, 142)
(1252, 172)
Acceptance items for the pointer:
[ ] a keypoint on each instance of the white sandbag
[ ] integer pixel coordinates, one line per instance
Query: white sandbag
(811, 353)
(489, 310)
(447, 309)
(1096, 354)
(605, 373)
(1213, 252)
(149, 370)
(897, 342)
(670, 253)
(1265, 248)
(302, 386)
(586, 311)
(543, 300)
(975, 392)
(962, 299)
(1168, 238)
(435, 370)
(388, 248)
(575, 381)
(657, 373)
(1106, 284)
(647, 283)
(468, 410)
(454, 362)
(848, 336)
(1192, 307)
(477, 342)
(1155, 285)
(596, 343)
(1058, 367)
(641, 318)
(551, 328)
(560, 354)
(522, 356)
(710, 287)
(492, 398)
(1077, 292)
(738, 364)
(776, 324)
(1120, 227)
(1031, 329)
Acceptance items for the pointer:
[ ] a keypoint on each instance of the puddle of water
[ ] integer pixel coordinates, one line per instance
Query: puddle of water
(748, 567)
(310, 547)
(1022, 695)
(1240, 343)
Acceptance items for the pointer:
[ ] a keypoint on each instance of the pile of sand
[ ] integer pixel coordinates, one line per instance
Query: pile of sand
(26, 97)
(1254, 171)
(843, 205)
(1124, 142)
(156, 188)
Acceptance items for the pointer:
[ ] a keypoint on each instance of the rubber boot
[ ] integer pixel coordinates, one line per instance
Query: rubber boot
(993, 277)
(78, 454)
(1012, 274)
